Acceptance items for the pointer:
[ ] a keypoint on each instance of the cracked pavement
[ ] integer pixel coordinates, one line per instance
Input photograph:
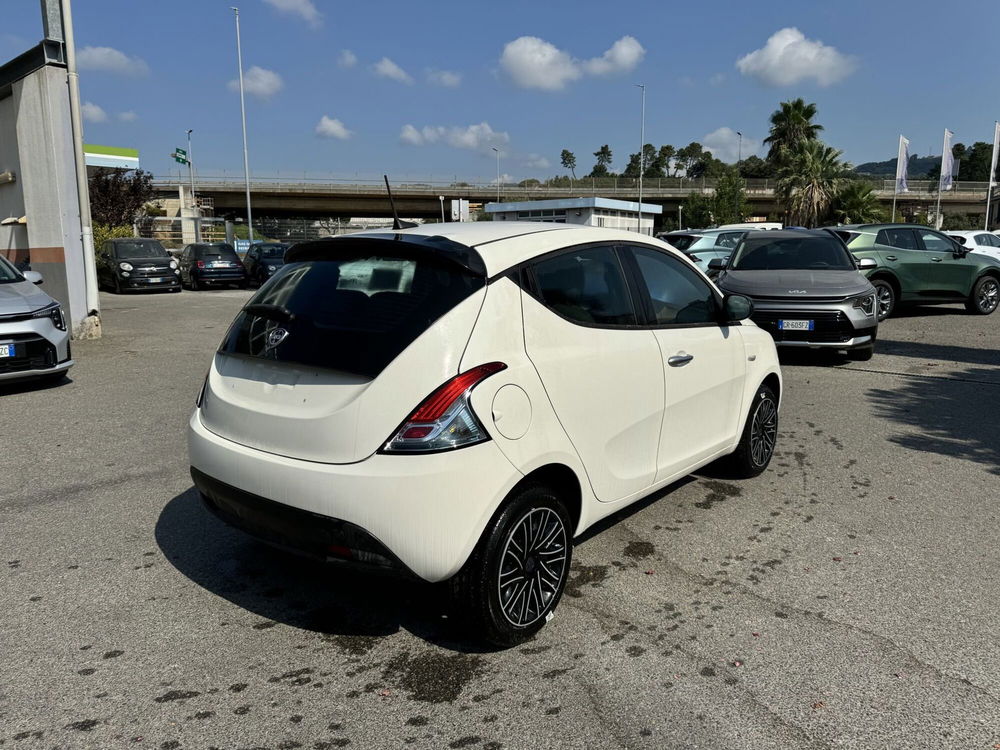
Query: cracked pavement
(845, 598)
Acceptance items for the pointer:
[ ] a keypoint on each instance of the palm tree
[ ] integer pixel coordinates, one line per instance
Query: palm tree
(856, 203)
(808, 178)
(790, 125)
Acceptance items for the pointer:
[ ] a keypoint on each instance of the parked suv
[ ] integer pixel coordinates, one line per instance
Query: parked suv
(34, 340)
(571, 371)
(135, 263)
(807, 290)
(263, 259)
(919, 265)
(702, 246)
(208, 264)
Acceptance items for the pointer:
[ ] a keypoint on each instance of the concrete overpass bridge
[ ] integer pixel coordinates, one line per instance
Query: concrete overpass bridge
(285, 197)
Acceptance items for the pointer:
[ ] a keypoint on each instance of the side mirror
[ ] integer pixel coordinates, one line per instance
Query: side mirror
(718, 264)
(736, 307)
(867, 264)
(959, 251)
(33, 276)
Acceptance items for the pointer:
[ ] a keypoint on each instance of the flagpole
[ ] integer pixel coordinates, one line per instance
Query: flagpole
(937, 211)
(993, 169)
(902, 164)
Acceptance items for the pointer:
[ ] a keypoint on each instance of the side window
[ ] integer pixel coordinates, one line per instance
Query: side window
(936, 243)
(901, 238)
(728, 240)
(986, 239)
(587, 286)
(677, 294)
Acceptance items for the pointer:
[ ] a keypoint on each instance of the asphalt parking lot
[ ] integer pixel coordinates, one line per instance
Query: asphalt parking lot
(846, 598)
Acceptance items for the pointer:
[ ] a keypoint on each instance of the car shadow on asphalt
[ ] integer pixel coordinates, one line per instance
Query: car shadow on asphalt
(281, 587)
(957, 354)
(31, 386)
(951, 415)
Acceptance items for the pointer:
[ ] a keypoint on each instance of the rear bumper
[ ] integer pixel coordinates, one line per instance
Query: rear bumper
(423, 514)
(219, 277)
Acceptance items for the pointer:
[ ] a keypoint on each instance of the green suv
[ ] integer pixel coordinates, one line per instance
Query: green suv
(919, 265)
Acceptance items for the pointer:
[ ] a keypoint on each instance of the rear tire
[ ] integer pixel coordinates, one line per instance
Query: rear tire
(515, 577)
(985, 296)
(195, 286)
(885, 298)
(760, 434)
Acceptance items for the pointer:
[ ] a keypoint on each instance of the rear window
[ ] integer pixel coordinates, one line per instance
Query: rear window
(681, 241)
(355, 313)
(215, 251)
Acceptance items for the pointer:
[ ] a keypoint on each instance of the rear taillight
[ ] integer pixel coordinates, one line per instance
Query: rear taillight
(200, 263)
(444, 420)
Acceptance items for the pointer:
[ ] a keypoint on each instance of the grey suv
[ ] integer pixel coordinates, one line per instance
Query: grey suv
(807, 290)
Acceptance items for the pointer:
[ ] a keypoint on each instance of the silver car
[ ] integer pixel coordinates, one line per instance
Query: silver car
(34, 340)
(702, 246)
(807, 290)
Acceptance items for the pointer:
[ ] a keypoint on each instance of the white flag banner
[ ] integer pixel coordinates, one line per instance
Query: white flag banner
(993, 164)
(902, 165)
(947, 163)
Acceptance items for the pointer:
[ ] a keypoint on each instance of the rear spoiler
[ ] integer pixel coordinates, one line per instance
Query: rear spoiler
(416, 245)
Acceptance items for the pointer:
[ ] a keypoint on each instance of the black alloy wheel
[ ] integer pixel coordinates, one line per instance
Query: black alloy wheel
(985, 296)
(760, 436)
(885, 299)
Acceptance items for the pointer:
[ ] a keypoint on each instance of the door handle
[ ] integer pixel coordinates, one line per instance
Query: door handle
(679, 359)
(890, 257)
(935, 260)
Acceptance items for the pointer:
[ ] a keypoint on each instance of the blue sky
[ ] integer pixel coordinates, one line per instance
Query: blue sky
(530, 77)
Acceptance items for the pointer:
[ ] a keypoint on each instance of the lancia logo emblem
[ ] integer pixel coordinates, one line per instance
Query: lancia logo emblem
(275, 337)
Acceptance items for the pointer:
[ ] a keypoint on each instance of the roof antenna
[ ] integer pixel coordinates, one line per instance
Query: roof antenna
(396, 223)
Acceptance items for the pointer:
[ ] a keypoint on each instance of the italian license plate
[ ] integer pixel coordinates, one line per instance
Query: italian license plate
(796, 325)
(7, 350)
(156, 280)
(220, 264)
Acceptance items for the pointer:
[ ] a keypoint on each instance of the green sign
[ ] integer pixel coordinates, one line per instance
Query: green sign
(180, 152)
(179, 156)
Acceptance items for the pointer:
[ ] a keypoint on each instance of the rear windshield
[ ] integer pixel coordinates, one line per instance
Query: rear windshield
(139, 249)
(275, 252)
(216, 251)
(791, 254)
(681, 241)
(355, 313)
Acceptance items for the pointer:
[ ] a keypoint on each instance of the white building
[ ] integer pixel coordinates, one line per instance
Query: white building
(591, 212)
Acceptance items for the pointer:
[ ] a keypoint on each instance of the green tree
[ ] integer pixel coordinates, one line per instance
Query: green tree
(685, 158)
(698, 210)
(976, 160)
(730, 198)
(808, 178)
(604, 158)
(707, 166)
(117, 196)
(756, 168)
(791, 124)
(568, 160)
(857, 203)
(663, 158)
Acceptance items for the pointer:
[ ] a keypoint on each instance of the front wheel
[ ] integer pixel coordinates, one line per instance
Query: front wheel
(885, 298)
(514, 579)
(760, 434)
(985, 296)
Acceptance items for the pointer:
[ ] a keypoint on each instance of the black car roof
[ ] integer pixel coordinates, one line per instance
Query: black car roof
(784, 234)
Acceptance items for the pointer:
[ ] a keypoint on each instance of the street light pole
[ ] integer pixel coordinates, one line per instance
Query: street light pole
(194, 200)
(243, 112)
(441, 198)
(739, 157)
(498, 171)
(642, 145)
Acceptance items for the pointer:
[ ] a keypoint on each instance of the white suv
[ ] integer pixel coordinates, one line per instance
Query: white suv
(458, 401)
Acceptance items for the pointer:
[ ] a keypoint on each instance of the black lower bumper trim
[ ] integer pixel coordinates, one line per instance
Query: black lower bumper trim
(303, 532)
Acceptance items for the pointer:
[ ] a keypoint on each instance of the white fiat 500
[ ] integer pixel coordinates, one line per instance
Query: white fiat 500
(458, 401)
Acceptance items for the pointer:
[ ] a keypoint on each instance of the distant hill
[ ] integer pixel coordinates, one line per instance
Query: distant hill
(918, 167)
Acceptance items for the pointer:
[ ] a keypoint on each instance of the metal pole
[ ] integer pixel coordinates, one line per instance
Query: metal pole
(195, 213)
(739, 153)
(894, 194)
(498, 171)
(243, 112)
(642, 142)
(441, 198)
(993, 165)
(82, 184)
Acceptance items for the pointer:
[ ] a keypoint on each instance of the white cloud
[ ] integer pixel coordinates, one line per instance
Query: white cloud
(129, 116)
(386, 68)
(536, 161)
(621, 57)
(347, 59)
(724, 144)
(717, 80)
(332, 128)
(110, 60)
(788, 57)
(92, 113)
(302, 8)
(534, 63)
(479, 137)
(505, 179)
(444, 78)
(259, 82)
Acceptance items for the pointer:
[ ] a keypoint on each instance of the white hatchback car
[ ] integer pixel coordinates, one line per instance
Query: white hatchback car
(981, 242)
(458, 401)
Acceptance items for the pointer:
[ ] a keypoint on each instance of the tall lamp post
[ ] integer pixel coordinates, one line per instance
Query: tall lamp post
(739, 156)
(642, 145)
(194, 200)
(441, 198)
(243, 112)
(498, 171)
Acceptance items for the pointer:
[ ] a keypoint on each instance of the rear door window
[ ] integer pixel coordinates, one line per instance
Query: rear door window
(900, 238)
(586, 286)
(353, 313)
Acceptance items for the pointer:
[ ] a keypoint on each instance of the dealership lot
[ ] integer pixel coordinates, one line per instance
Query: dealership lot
(847, 597)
